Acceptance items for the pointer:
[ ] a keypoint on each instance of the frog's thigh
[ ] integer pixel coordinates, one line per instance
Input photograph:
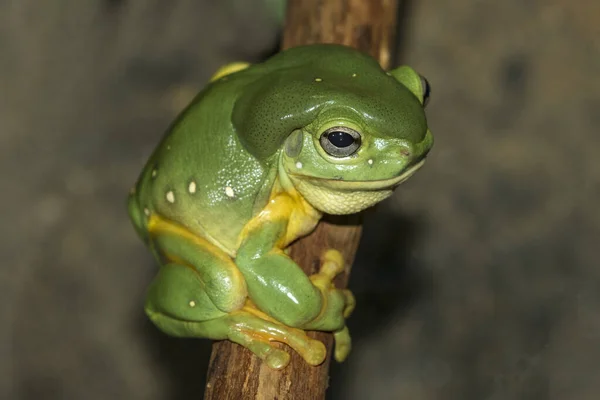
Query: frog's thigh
(178, 305)
(177, 297)
(215, 272)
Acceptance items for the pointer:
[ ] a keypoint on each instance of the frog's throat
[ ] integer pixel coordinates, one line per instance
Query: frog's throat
(340, 197)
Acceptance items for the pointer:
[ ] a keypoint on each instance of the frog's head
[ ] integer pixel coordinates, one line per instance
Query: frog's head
(357, 131)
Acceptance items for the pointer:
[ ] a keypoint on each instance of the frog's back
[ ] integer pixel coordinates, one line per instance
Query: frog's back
(200, 176)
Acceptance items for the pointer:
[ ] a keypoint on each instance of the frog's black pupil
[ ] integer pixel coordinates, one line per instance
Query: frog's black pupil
(340, 139)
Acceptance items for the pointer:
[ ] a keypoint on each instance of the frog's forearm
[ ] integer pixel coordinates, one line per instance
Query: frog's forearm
(276, 284)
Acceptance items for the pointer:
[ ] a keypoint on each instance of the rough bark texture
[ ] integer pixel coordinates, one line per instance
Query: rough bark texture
(234, 372)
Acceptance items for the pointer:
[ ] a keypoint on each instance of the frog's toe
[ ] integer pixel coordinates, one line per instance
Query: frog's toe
(275, 358)
(228, 69)
(343, 344)
(332, 263)
(257, 334)
(315, 353)
(350, 302)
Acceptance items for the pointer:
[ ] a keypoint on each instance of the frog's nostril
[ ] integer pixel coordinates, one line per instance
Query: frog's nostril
(405, 152)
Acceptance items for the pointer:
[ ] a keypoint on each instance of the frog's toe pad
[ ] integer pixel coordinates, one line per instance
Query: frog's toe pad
(276, 358)
(343, 344)
(350, 302)
(315, 353)
(332, 263)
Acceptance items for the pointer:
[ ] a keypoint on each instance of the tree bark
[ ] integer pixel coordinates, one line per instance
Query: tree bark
(234, 372)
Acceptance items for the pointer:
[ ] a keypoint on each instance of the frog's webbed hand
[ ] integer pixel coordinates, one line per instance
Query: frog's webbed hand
(332, 264)
(277, 285)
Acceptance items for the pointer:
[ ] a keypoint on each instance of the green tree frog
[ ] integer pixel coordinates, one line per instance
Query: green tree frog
(251, 165)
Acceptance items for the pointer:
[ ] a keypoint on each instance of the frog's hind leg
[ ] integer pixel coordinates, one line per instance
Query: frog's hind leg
(176, 300)
(251, 323)
(179, 306)
(199, 292)
(213, 270)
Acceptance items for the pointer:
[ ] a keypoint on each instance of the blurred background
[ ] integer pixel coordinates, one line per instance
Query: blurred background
(478, 280)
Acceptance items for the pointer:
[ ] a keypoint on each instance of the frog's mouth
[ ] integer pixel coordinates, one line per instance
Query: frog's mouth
(382, 184)
(335, 196)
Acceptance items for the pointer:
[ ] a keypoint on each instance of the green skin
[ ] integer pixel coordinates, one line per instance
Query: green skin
(243, 172)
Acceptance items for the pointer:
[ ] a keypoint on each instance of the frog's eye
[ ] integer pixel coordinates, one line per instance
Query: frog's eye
(426, 90)
(340, 141)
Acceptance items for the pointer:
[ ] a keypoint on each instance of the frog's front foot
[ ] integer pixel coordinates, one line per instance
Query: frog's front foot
(343, 344)
(256, 331)
(332, 264)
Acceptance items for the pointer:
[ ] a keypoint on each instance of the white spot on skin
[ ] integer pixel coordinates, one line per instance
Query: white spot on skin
(170, 197)
(192, 187)
(154, 172)
(192, 303)
(299, 165)
(229, 191)
(318, 80)
(354, 75)
(370, 161)
(147, 212)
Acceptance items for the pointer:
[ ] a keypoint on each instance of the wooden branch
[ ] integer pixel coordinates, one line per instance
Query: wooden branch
(234, 372)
